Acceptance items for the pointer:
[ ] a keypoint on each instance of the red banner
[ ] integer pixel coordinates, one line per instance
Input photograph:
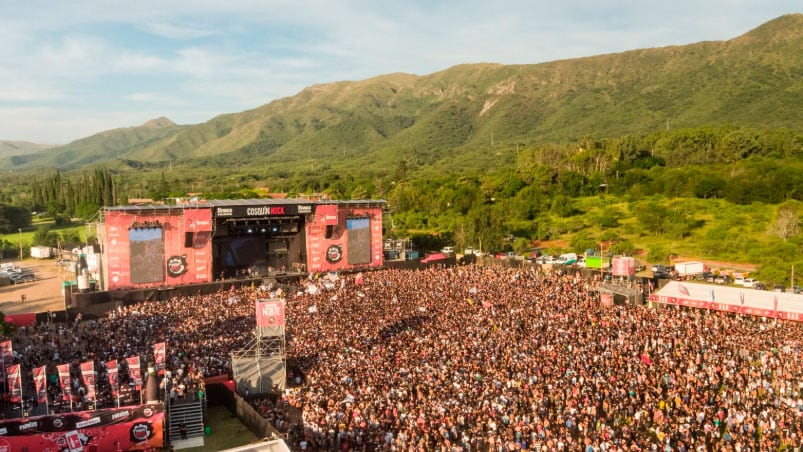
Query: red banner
(14, 383)
(40, 384)
(114, 381)
(159, 355)
(326, 214)
(88, 377)
(269, 313)
(64, 380)
(129, 428)
(135, 371)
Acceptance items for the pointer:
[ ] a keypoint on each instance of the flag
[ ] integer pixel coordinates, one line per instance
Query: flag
(159, 355)
(682, 289)
(40, 384)
(64, 380)
(358, 279)
(88, 377)
(6, 354)
(486, 305)
(135, 371)
(114, 382)
(14, 383)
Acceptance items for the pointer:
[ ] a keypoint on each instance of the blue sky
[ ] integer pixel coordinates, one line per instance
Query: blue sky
(72, 69)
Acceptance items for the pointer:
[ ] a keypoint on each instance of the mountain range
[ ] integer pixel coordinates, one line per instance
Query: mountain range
(465, 117)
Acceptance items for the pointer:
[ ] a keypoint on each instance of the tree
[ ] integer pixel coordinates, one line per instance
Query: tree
(787, 222)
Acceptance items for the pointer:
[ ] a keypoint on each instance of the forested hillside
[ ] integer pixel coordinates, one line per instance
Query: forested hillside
(691, 150)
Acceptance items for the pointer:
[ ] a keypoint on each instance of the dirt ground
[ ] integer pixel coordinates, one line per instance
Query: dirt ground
(41, 295)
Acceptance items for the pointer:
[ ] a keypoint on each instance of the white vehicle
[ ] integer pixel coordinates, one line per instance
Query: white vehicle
(749, 282)
(448, 250)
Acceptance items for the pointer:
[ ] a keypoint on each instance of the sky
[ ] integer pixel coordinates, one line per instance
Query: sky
(71, 69)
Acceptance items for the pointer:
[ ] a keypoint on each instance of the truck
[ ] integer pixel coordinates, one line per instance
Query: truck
(690, 268)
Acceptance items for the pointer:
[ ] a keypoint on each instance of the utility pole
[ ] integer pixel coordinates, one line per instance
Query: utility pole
(20, 230)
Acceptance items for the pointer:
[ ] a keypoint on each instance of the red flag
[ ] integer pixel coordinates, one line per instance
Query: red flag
(64, 380)
(14, 383)
(682, 289)
(88, 377)
(73, 440)
(135, 371)
(114, 382)
(40, 384)
(6, 354)
(269, 313)
(159, 355)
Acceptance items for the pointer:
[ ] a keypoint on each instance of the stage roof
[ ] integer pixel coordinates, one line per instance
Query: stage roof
(244, 202)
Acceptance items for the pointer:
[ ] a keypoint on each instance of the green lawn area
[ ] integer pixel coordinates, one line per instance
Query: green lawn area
(227, 432)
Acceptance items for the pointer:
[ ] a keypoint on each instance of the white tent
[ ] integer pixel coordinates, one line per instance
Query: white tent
(781, 305)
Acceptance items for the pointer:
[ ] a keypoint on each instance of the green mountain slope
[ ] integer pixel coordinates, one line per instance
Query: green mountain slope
(469, 117)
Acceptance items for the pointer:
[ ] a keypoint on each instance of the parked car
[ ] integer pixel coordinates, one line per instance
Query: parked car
(22, 277)
(758, 285)
(748, 282)
(722, 279)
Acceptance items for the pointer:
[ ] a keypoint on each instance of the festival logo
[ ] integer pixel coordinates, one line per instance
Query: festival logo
(141, 431)
(334, 253)
(177, 266)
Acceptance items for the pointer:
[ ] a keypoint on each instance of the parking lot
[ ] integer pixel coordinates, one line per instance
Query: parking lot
(41, 295)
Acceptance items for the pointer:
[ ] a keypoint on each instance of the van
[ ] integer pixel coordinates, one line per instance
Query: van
(738, 280)
(748, 282)
(448, 250)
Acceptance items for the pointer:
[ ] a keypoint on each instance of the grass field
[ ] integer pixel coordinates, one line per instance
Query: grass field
(227, 432)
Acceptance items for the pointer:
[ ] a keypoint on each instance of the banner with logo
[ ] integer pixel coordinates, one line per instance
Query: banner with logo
(40, 384)
(14, 383)
(135, 371)
(114, 381)
(64, 380)
(159, 356)
(88, 377)
(269, 313)
(130, 428)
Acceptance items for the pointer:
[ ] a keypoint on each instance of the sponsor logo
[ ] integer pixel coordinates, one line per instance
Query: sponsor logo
(58, 423)
(119, 415)
(256, 211)
(304, 209)
(224, 211)
(147, 412)
(177, 266)
(88, 422)
(334, 253)
(141, 431)
(27, 425)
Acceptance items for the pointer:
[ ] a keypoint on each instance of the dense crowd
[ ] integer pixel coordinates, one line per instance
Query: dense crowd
(470, 359)
(502, 359)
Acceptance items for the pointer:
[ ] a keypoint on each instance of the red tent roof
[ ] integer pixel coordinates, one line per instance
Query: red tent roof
(434, 257)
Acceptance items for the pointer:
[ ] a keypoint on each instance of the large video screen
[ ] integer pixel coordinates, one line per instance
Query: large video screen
(359, 240)
(244, 252)
(147, 255)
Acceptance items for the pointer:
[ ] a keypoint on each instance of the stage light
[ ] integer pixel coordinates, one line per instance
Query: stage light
(263, 230)
(250, 230)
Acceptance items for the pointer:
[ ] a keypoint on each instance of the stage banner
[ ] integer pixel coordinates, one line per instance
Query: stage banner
(114, 381)
(14, 383)
(7, 355)
(88, 377)
(326, 214)
(159, 355)
(40, 384)
(269, 313)
(135, 371)
(64, 380)
(116, 429)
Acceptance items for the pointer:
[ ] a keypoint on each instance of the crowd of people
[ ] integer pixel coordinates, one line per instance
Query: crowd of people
(471, 359)
(501, 359)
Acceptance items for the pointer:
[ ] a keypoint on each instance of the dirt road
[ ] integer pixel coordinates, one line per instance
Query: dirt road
(41, 295)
